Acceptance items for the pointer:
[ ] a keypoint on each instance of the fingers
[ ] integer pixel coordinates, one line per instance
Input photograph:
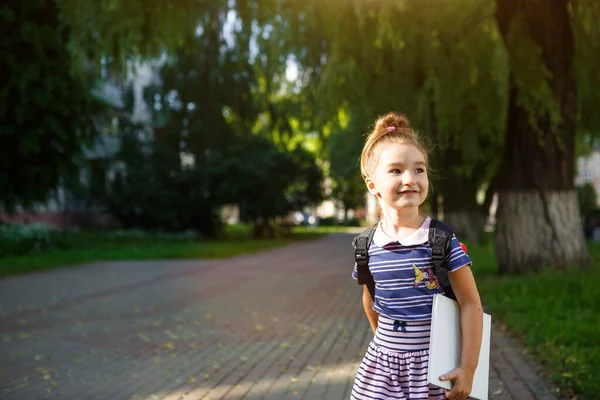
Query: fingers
(456, 394)
(460, 389)
(450, 375)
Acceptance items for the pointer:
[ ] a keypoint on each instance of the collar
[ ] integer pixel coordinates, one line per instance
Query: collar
(420, 236)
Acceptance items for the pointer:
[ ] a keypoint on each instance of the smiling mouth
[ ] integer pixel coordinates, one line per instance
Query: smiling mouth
(409, 192)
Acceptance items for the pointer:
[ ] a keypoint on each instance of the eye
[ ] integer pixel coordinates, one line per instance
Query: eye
(395, 171)
(420, 170)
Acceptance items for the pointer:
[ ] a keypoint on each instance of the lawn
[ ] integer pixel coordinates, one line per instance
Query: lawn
(553, 313)
(81, 247)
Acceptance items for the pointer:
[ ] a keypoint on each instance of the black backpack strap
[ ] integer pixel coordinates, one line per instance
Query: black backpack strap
(361, 245)
(440, 236)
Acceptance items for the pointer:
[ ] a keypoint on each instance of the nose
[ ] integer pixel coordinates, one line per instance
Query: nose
(408, 178)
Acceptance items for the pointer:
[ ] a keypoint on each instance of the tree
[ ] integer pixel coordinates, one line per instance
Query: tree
(49, 53)
(126, 31)
(45, 109)
(587, 198)
(538, 217)
(153, 190)
(265, 181)
(343, 151)
(464, 111)
(441, 64)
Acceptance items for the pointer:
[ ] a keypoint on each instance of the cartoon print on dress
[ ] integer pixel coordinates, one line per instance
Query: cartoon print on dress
(418, 275)
(433, 283)
(428, 275)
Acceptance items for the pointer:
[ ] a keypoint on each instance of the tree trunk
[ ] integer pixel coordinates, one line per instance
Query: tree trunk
(262, 229)
(536, 229)
(461, 210)
(538, 217)
(434, 205)
(345, 213)
(467, 224)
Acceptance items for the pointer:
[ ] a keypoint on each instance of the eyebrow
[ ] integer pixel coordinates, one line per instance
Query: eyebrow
(418, 163)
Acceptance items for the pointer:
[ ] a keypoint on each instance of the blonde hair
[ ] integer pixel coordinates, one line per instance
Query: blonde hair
(390, 128)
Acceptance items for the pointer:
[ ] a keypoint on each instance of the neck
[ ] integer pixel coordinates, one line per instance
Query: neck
(396, 222)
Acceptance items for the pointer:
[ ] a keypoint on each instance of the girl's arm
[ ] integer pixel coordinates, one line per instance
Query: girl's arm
(368, 305)
(471, 321)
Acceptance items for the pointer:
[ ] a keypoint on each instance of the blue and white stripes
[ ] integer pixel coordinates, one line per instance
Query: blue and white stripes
(403, 272)
(402, 336)
(395, 364)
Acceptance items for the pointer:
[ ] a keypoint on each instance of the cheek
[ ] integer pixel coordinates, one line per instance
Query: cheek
(424, 186)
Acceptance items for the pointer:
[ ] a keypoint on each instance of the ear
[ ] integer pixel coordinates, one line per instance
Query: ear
(371, 186)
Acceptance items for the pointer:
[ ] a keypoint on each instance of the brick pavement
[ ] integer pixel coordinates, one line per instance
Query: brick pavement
(281, 324)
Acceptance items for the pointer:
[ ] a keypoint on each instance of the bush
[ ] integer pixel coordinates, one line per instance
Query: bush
(154, 190)
(268, 183)
(155, 193)
(188, 235)
(329, 221)
(353, 222)
(18, 239)
(586, 196)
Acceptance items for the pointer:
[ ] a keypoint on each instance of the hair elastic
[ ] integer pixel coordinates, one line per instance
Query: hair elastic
(391, 128)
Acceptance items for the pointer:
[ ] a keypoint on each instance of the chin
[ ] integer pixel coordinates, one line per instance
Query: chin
(404, 206)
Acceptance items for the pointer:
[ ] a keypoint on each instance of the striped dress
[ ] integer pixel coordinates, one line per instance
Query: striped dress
(395, 363)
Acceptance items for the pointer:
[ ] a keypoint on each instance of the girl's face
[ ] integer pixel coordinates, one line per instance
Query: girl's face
(400, 177)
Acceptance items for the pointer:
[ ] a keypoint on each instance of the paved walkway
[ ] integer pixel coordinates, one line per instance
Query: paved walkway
(283, 324)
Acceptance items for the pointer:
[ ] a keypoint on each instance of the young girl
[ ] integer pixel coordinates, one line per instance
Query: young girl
(394, 167)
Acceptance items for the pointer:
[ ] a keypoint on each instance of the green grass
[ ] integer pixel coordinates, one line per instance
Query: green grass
(324, 229)
(554, 313)
(94, 246)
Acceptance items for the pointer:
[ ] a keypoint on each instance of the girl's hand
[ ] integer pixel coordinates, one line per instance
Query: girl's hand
(463, 382)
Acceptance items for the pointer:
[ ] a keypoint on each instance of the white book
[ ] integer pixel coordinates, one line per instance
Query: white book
(445, 347)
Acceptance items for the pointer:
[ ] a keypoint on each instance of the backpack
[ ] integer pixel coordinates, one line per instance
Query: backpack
(440, 236)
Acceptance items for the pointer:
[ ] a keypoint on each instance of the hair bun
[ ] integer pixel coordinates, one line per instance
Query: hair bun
(392, 121)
